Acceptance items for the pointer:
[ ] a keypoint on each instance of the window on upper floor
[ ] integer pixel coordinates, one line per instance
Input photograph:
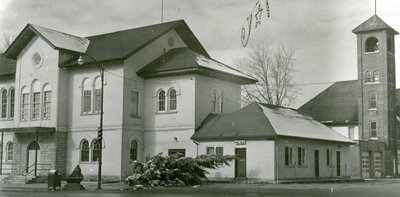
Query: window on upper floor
(372, 129)
(161, 101)
(373, 100)
(368, 77)
(95, 150)
(12, 103)
(84, 151)
(36, 100)
(214, 100)
(134, 105)
(97, 95)
(376, 76)
(3, 104)
(133, 150)
(172, 100)
(9, 153)
(222, 103)
(371, 45)
(86, 97)
(46, 102)
(288, 155)
(24, 103)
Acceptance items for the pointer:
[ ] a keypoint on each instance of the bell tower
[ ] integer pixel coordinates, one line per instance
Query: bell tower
(376, 102)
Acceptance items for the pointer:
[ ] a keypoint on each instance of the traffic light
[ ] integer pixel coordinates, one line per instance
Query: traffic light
(100, 134)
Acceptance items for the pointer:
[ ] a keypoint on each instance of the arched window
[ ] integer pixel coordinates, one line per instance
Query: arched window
(97, 95)
(9, 153)
(133, 150)
(214, 101)
(24, 103)
(368, 77)
(222, 102)
(4, 103)
(371, 45)
(12, 103)
(172, 100)
(84, 150)
(46, 102)
(35, 100)
(95, 150)
(161, 100)
(86, 96)
(376, 76)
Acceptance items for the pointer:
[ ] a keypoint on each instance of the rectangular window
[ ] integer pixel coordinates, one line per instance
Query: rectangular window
(288, 155)
(372, 100)
(215, 150)
(328, 157)
(301, 156)
(87, 97)
(97, 100)
(25, 106)
(46, 105)
(36, 106)
(372, 129)
(134, 104)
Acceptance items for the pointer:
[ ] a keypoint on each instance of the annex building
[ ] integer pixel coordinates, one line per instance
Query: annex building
(366, 110)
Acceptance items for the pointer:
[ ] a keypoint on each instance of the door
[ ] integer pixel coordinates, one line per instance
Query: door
(32, 157)
(316, 162)
(365, 166)
(337, 163)
(240, 162)
(377, 164)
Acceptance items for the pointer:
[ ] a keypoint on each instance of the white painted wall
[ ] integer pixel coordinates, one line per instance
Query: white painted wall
(259, 159)
(48, 72)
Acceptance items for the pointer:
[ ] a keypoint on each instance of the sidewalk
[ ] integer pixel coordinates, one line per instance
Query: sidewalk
(89, 186)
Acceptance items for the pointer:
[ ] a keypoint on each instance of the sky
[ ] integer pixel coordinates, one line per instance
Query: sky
(319, 30)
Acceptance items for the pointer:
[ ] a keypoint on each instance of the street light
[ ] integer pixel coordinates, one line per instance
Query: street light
(100, 131)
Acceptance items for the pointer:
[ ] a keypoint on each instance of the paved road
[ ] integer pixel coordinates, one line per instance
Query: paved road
(381, 188)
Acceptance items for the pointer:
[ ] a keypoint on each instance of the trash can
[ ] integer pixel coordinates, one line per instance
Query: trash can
(54, 180)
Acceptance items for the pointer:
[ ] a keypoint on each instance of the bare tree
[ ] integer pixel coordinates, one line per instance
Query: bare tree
(6, 41)
(273, 68)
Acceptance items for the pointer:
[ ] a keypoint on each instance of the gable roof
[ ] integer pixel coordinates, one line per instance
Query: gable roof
(262, 121)
(122, 44)
(7, 66)
(338, 103)
(105, 47)
(185, 60)
(373, 23)
(56, 39)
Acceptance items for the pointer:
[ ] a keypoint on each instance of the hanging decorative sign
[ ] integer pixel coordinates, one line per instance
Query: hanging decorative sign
(246, 27)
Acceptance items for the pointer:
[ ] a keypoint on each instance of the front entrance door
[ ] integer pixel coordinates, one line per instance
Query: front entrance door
(240, 162)
(337, 163)
(316, 162)
(32, 156)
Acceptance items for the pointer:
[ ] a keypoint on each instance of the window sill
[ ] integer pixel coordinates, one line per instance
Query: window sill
(372, 52)
(373, 138)
(302, 166)
(373, 109)
(166, 112)
(6, 119)
(371, 83)
(90, 114)
(135, 117)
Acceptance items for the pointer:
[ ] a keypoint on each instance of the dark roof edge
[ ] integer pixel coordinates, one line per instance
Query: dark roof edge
(318, 139)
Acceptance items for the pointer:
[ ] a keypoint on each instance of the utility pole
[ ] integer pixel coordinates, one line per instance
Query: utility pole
(100, 132)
